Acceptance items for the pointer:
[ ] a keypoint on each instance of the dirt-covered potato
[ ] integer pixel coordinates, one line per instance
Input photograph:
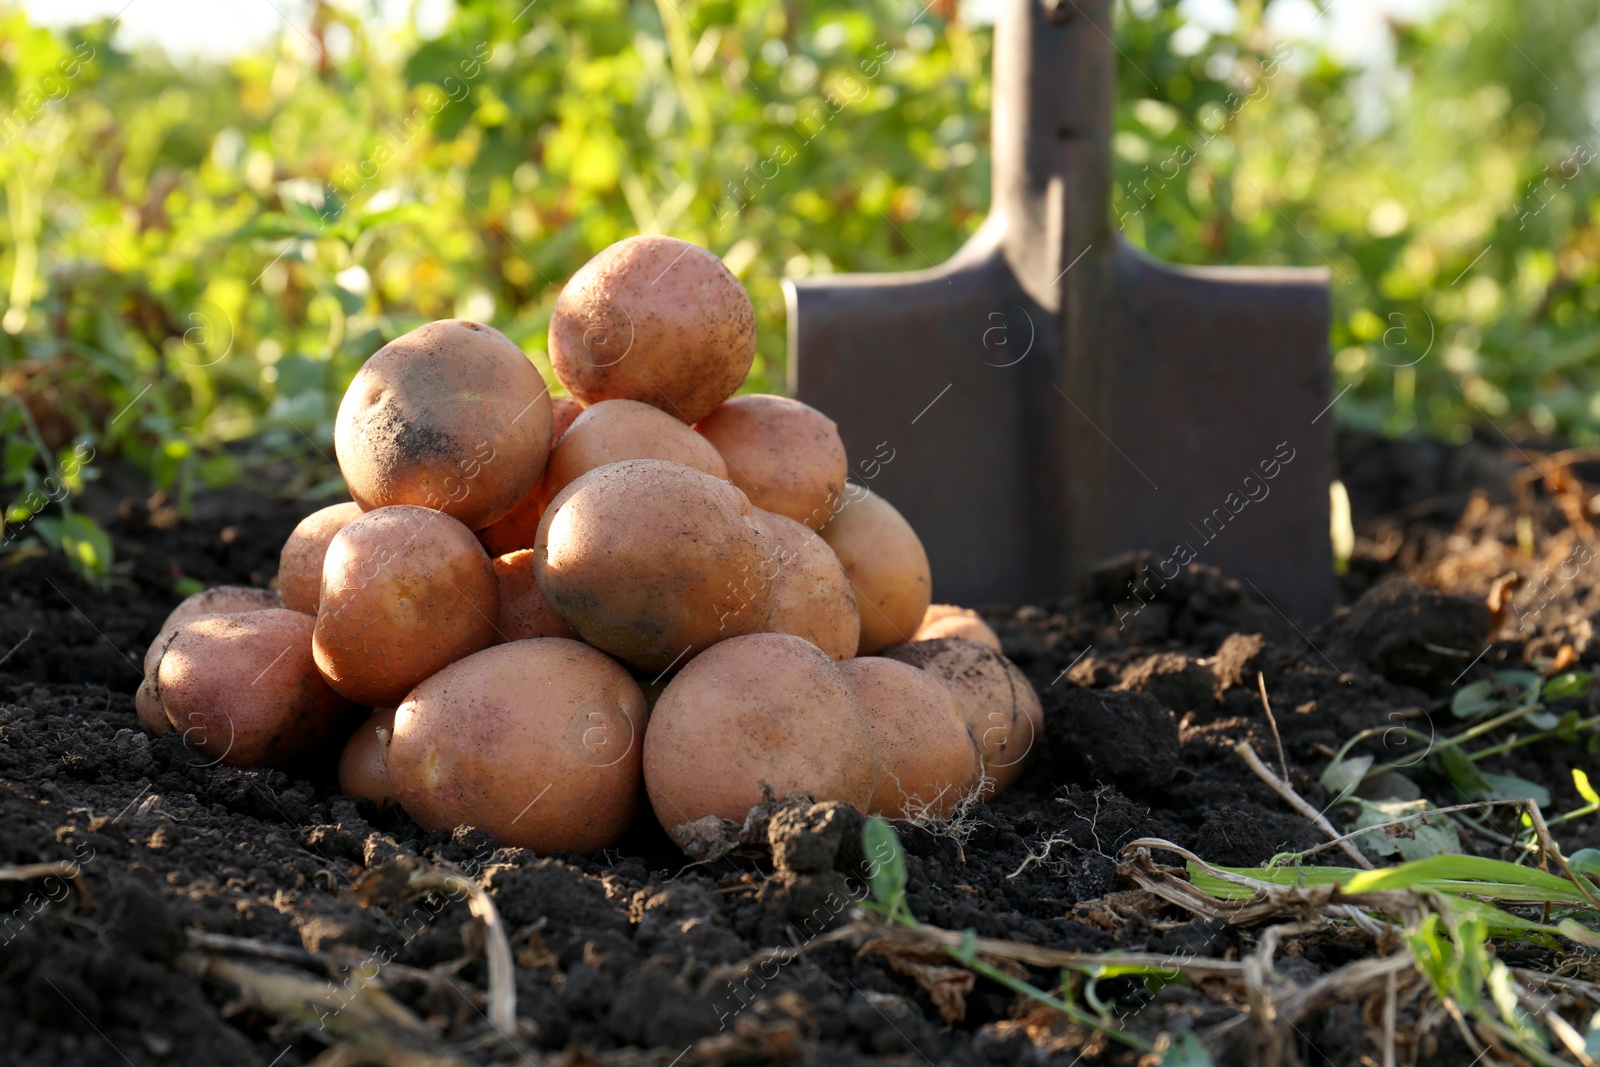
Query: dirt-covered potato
(300, 562)
(947, 620)
(615, 430)
(451, 416)
(524, 612)
(886, 565)
(996, 700)
(645, 559)
(218, 600)
(406, 591)
(656, 319)
(767, 708)
(813, 599)
(243, 689)
(536, 741)
(363, 766)
(927, 760)
(785, 455)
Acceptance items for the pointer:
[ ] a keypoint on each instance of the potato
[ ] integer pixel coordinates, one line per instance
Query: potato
(996, 700)
(927, 759)
(535, 741)
(563, 409)
(244, 690)
(363, 766)
(785, 455)
(886, 565)
(947, 620)
(450, 416)
(813, 598)
(524, 612)
(516, 530)
(643, 558)
(218, 600)
(615, 430)
(300, 562)
(222, 600)
(406, 591)
(767, 708)
(656, 319)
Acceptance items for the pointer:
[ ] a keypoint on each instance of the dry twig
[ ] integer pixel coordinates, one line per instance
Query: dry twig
(1296, 801)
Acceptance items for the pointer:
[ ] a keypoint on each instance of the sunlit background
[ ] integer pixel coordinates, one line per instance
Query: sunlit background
(216, 209)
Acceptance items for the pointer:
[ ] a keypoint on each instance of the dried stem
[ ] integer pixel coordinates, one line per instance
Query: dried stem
(1296, 801)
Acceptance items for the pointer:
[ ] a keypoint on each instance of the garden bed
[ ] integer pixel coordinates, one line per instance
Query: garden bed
(241, 916)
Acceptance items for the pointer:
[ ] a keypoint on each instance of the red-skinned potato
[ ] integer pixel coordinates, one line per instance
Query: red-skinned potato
(535, 741)
(767, 708)
(222, 600)
(406, 591)
(516, 530)
(300, 562)
(996, 699)
(524, 612)
(644, 559)
(927, 760)
(947, 620)
(452, 416)
(656, 319)
(785, 455)
(813, 598)
(243, 688)
(887, 567)
(218, 600)
(614, 430)
(363, 765)
(563, 409)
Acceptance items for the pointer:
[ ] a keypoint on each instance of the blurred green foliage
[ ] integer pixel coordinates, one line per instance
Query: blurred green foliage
(196, 258)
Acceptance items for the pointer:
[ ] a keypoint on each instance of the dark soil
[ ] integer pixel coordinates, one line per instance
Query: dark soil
(639, 956)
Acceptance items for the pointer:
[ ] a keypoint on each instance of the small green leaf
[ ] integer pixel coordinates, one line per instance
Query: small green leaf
(1580, 782)
(1344, 775)
(1464, 774)
(1420, 838)
(1509, 787)
(886, 864)
(1187, 1050)
(1571, 684)
(1473, 699)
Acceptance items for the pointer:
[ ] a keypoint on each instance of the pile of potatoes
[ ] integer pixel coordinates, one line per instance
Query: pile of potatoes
(532, 605)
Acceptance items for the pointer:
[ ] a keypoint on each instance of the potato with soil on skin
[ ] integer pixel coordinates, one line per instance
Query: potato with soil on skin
(243, 688)
(300, 562)
(516, 529)
(644, 559)
(767, 708)
(947, 620)
(363, 766)
(813, 598)
(887, 567)
(927, 759)
(218, 600)
(451, 416)
(996, 699)
(656, 319)
(785, 455)
(524, 612)
(537, 742)
(406, 591)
